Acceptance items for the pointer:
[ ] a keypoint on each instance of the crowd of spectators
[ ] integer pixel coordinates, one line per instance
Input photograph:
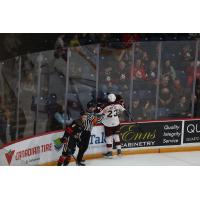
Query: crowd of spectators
(176, 78)
(120, 71)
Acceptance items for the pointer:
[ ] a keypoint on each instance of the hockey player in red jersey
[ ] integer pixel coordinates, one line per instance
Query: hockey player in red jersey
(111, 123)
(70, 139)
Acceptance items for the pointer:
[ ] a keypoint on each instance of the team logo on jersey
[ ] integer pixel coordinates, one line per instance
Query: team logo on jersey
(57, 144)
(9, 156)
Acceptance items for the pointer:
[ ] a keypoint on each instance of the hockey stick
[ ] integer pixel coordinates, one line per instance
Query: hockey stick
(74, 158)
(66, 147)
(129, 115)
(132, 119)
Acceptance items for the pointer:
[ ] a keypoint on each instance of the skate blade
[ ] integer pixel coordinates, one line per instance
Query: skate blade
(108, 157)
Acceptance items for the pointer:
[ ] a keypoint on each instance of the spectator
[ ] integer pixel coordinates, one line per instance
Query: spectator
(60, 42)
(165, 98)
(104, 38)
(149, 110)
(138, 51)
(74, 107)
(108, 82)
(8, 124)
(190, 73)
(93, 38)
(61, 119)
(145, 59)
(164, 82)
(139, 71)
(182, 108)
(137, 110)
(127, 57)
(128, 38)
(74, 41)
(168, 70)
(84, 38)
(60, 50)
(88, 38)
(186, 55)
(52, 108)
(28, 82)
(12, 44)
(123, 76)
(178, 90)
(152, 72)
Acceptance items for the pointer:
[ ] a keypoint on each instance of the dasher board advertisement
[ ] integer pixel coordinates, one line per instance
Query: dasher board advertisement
(151, 134)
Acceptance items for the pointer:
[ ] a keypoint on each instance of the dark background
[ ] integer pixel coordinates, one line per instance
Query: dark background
(13, 44)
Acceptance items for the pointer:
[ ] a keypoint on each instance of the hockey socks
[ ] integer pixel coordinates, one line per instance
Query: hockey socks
(60, 161)
(63, 161)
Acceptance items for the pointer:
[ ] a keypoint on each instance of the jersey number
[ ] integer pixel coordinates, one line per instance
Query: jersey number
(110, 113)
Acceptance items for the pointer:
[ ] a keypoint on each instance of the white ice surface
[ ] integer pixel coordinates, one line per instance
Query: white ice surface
(155, 159)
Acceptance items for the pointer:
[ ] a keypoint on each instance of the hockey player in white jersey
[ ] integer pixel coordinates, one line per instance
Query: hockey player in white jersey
(111, 124)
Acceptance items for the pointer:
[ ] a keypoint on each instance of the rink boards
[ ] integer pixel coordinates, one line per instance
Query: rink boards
(140, 137)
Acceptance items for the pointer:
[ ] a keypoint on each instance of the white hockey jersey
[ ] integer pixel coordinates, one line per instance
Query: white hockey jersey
(111, 115)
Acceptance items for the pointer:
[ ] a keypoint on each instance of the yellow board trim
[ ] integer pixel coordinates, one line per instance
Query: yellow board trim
(180, 149)
(132, 152)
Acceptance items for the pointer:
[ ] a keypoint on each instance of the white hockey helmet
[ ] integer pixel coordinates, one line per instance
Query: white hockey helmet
(111, 97)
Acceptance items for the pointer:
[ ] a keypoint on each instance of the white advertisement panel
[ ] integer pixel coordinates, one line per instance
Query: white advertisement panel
(32, 151)
(97, 141)
(45, 148)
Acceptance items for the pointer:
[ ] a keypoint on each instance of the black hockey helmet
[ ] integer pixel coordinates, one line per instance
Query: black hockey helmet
(91, 104)
(78, 122)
